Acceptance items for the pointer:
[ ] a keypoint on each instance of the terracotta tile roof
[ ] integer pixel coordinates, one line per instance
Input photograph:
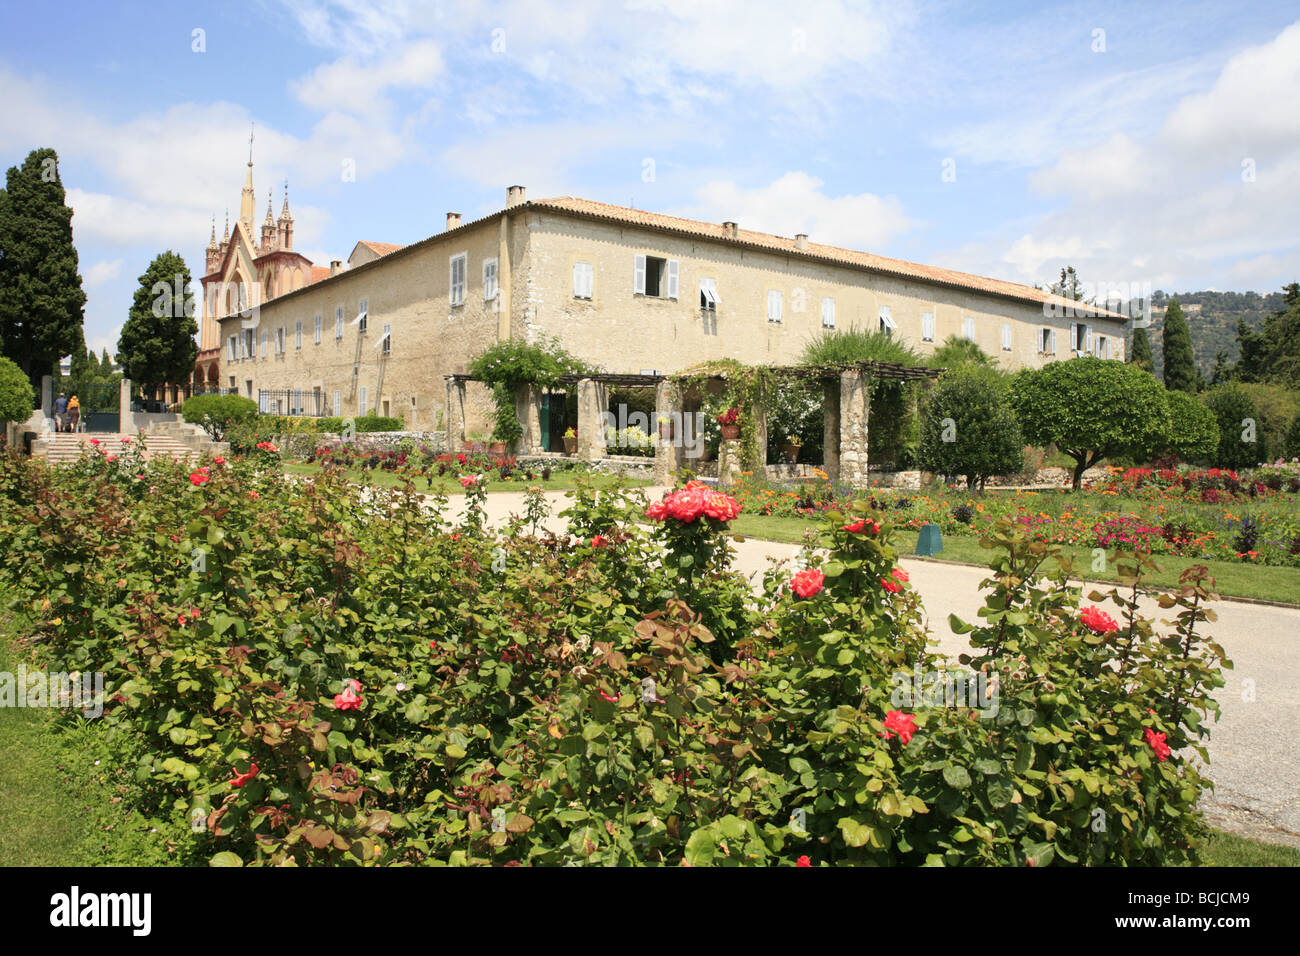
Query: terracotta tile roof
(865, 260)
(318, 273)
(380, 248)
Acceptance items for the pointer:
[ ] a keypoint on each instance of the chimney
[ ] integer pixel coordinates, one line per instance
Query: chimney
(731, 228)
(801, 241)
(453, 220)
(514, 196)
(336, 266)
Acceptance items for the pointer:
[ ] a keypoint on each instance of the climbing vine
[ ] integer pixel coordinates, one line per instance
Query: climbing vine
(745, 388)
(505, 366)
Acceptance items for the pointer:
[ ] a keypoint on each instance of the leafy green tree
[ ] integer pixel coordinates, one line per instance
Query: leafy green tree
(216, 414)
(1271, 353)
(1139, 352)
(41, 301)
(1276, 407)
(1068, 286)
(1091, 409)
(852, 345)
(969, 427)
(1242, 442)
(1292, 448)
(17, 398)
(956, 351)
(1180, 362)
(157, 342)
(1193, 430)
(106, 365)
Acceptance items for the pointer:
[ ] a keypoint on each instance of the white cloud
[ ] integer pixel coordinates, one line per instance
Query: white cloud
(796, 203)
(352, 85)
(101, 272)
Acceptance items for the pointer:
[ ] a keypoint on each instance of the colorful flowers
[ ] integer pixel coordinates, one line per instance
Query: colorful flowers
(890, 585)
(808, 583)
(1097, 620)
(599, 541)
(1157, 743)
(267, 446)
(730, 417)
(242, 778)
(803, 861)
(350, 699)
(900, 575)
(198, 478)
(694, 501)
(862, 525)
(904, 725)
(468, 481)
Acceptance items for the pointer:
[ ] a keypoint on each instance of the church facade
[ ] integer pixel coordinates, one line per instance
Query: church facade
(626, 289)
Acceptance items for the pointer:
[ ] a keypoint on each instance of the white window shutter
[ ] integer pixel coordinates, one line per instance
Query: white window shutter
(638, 274)
(1074, 336)
(672, 278)
(1087, 339)
(577, 280)
(1051, 342)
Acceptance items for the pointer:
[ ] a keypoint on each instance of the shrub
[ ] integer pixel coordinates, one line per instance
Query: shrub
(217, 413)
(969, 427)
(1242, 443)
(16, 395)
(1193, 430)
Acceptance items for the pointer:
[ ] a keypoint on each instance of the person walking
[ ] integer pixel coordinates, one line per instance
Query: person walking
(74, 414)
(60, 412)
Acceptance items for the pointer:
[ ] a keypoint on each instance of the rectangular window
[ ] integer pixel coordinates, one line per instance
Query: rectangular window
(654, 277)
(774, 305)
(279, 340)
(489, 279)
(388, 339)
(968, 328)
(584, 280)
(363, 316)
(1006, 336)
(927, 326)
(297, 334)
(887, 324)
(457, 284)
(318, 330)
(1103, 347)
(828, 313)
(1080, 338)
(1047, 341)
(709, 294)
(230, 348)
(338, 403)
(266, 334)
(338, 322)
(297, 402)
(361, 401)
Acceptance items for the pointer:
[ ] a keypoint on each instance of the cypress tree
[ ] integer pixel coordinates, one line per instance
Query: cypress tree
(1180, 363)
(1140, 353)
(157, 342)
(41, 301)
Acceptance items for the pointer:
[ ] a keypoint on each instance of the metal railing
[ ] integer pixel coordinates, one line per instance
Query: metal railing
(293, 401)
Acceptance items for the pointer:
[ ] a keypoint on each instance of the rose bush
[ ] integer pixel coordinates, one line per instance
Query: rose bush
(304, 674)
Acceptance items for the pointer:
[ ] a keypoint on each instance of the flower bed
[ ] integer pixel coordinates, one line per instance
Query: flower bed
(316, 679)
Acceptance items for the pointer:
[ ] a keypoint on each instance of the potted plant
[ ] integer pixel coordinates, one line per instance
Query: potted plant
(570, 441)
(790, 450)
(666, 427)
(730, 422)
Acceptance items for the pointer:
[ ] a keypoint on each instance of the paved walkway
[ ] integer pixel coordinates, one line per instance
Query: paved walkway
(1254, 757)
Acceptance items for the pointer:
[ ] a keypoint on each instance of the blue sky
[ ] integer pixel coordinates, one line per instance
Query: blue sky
(1156, 143)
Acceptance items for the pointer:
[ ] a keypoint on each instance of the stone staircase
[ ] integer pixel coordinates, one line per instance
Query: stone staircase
(61, 448)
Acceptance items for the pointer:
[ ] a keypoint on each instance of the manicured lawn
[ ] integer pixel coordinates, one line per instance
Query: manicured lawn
(1234, 578)
(1228, 849)
(449, 483)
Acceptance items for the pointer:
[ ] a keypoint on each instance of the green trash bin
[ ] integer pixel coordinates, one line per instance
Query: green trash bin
(929, 541)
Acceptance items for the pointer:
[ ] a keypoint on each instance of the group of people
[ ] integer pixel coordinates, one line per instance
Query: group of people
(67, 414)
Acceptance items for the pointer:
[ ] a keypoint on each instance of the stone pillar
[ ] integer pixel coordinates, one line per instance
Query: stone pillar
(126, 421)
(528, 409)
(455, 414)
(855, 407)
(729, 461)
(47, 396)
(668, 451)
(759, 412)
(831, 428)
(593, 397)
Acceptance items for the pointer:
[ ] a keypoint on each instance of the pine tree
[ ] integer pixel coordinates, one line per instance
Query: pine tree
(1140, 352)
(157, 342)
(1180, 363)
(41, 301)
(106, 365)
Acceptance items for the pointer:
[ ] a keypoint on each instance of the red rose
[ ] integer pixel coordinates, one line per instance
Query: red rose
(350, 699)
(599, 541)
(900, 575)
(1097, 620)
(803, 861)
(807, 583)
(243, 778)
(903, 724)
(856, 527)
(1157, 743)
(890, 585)
(198, 478)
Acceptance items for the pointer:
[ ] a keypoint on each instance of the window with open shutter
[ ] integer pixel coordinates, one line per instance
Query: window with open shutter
(638, 274)
(1087, 339)
(887, 324)
(489, 279)
(1074, 337)
(708, 294)
(673, 269)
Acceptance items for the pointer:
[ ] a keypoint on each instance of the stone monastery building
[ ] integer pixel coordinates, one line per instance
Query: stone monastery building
(625, 289)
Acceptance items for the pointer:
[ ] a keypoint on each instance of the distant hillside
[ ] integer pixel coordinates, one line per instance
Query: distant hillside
(1212, 319)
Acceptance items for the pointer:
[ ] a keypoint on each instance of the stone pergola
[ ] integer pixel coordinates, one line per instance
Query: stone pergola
(846, 410)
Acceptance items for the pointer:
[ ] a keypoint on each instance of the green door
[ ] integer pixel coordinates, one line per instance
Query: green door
(546, 421)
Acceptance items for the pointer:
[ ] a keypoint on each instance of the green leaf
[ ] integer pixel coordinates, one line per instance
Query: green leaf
(226, 859)
(956, 776)
(855, 832)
